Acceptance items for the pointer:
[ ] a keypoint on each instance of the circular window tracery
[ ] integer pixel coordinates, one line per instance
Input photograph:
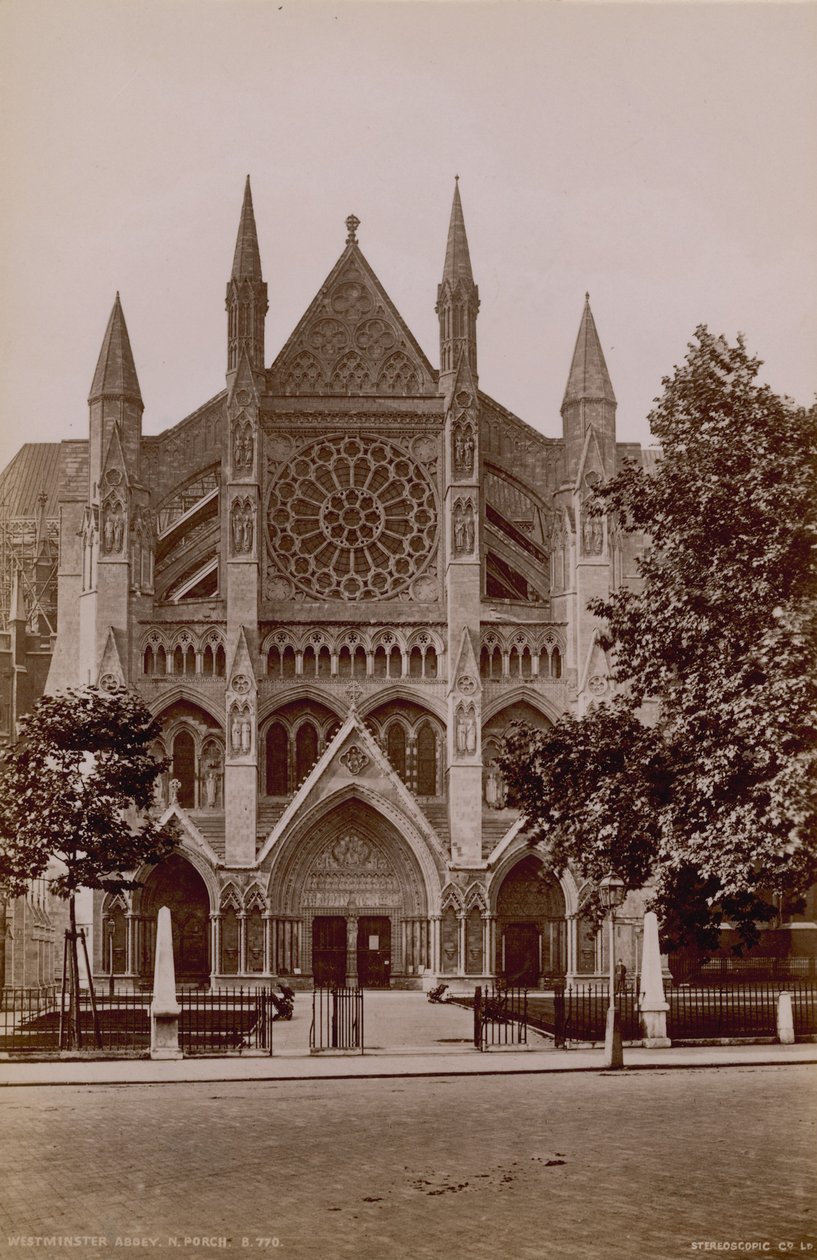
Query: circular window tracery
(352, 518)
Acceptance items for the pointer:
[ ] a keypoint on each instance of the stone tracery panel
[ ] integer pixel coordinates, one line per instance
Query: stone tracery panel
(352, 517)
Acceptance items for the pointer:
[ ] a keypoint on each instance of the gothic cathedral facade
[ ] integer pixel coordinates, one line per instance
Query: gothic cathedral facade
(337, 583)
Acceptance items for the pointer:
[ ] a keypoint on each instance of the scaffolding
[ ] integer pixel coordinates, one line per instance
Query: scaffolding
(29, 554)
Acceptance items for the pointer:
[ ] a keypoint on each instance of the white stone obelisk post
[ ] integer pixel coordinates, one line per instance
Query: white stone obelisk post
(164, 1009)
(654, 1005)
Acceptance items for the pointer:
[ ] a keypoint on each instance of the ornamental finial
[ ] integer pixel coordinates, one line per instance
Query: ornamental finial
(352, 225)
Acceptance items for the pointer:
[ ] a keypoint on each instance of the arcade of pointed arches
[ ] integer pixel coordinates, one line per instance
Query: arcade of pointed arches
(348, 899)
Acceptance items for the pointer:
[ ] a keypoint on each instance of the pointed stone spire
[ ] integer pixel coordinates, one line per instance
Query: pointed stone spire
(247, 303)
(457, 264)
(589, 378)
(247, 258)
(457, 299)
(115, 375)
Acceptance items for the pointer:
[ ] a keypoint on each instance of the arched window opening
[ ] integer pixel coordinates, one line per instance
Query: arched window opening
(190, 660)
(344, 662)
(147, 662)
(178, 660)
(184, 768)
(255, 939)
(309, 662)
(324, 662)
(427, 761)
(274, 662)
(229, 942)
(556, 663)
(496, 663)
(380, 666)
(288, 663)
(359, 663)
(306, 750)
(431, 662)
(207, 661)
(395, 662)
(525, 663)
(544, 663)
(161, 660)
(396, 748)
(277, 759)
(484, 663)
(415, 663)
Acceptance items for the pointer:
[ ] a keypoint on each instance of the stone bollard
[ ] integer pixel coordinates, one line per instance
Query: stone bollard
(654, 1005)
(785, 1020)
(164, 1009)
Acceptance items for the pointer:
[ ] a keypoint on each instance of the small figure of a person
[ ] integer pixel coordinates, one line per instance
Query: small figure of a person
(621, 977)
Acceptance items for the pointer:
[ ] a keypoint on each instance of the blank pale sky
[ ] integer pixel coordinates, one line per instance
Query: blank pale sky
(660, 156)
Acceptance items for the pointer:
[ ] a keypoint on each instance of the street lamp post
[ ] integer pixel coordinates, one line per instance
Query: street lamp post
(612, 892)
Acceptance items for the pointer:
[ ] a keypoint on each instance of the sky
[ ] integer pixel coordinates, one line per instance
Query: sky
(659, 156)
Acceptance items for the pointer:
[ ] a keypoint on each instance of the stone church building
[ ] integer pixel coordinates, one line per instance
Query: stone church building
(337, 583)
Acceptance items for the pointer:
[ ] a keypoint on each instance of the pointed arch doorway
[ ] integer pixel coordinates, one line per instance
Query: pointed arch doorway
(176, 883)
(357, 888)
(531, 925)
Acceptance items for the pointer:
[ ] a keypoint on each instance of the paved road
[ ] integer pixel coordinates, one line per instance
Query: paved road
(637, 1165)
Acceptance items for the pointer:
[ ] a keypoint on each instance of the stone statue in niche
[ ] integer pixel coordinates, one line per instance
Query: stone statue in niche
(463, 528)
(495, 791)
(466, 730)
(175, 784)
(592, 534)
(242, 446)
(464, 451)
(242, 526)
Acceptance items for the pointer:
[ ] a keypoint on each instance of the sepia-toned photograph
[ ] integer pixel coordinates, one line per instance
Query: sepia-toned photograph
(408, 629)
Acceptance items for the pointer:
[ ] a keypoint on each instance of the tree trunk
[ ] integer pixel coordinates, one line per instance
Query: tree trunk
(74, 1024)
(3, 920)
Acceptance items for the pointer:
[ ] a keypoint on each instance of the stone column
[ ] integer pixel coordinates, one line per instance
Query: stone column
(351, 950)
(461, 942)
(268, 921)
(434, 960)
(131, 943)
(242, 942)
(215, 946)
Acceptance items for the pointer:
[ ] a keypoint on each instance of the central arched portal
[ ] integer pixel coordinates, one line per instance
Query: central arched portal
(359, 892)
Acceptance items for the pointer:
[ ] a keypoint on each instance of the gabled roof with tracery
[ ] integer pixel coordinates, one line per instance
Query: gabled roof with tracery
(352, 340)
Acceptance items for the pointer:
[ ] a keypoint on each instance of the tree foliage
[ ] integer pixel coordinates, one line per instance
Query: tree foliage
(717, 798)
(78, 786)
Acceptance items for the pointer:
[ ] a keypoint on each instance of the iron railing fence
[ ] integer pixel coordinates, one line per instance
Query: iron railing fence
(701, 1011)
(500, 1016)
(337, 1019)
(219, 1021)
(585, 1013)
(729, 970)
(226, 1021)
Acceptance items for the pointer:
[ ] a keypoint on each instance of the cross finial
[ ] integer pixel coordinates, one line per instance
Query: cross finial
(352, 225)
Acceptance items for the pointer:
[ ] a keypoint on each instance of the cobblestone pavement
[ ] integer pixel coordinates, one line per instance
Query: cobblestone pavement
(637, 1165)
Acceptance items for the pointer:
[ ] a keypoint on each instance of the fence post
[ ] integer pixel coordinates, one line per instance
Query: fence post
(785, 1019)
(478, 1017)
(559, 1014)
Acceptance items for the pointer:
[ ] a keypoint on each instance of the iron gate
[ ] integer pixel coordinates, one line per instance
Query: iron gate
(337, 1019)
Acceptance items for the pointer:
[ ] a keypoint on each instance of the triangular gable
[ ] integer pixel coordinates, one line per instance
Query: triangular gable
(463, 393)
(595, 676)
(465, 676)
(114, 457)
(352, 340)
(590, 461)
(190, 833)
(241, 674)
(244, 380)
(110, 673)
(353, 758)
(507, 840)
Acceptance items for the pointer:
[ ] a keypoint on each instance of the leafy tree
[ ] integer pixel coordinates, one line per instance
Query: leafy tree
(717, 798)
(77, 787)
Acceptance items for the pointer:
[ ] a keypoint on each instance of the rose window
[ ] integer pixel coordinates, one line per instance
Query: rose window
(352, 518)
